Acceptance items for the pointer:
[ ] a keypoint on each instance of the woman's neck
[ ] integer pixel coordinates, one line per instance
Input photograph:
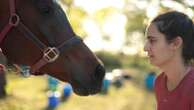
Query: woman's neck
(175, 72)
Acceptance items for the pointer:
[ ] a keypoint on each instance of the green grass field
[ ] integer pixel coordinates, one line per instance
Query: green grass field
(30, 94)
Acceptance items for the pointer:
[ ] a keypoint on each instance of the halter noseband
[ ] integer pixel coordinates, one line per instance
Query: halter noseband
(50, 54)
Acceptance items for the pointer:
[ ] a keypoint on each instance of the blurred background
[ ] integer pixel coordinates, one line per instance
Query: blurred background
(115, 31)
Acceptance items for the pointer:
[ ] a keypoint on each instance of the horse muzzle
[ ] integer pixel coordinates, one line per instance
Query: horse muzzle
(92, 87)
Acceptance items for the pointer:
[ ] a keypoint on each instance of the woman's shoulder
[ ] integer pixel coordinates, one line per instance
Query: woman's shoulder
(191, 74)
(190, 84)
(160, 77)
(189, 81)
(159, 80)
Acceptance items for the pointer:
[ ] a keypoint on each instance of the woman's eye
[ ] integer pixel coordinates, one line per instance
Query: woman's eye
(152, 41)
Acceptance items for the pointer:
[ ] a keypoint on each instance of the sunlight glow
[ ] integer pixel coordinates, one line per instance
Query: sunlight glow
(110, 35)
(136, 46)
(114, 27)
(92, 5)
(173, 5)
(152, 9)
(179, 7)
(94, 39)
(189, 2)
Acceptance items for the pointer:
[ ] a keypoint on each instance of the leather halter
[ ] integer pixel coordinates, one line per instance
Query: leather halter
(50, 54)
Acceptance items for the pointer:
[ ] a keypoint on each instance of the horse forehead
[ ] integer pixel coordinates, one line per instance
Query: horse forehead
(44, 1)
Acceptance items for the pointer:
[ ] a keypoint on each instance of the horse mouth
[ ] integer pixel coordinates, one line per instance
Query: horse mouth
(85, 90)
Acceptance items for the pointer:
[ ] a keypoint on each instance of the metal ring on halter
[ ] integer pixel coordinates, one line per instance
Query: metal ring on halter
(14, 19)
(51, 54)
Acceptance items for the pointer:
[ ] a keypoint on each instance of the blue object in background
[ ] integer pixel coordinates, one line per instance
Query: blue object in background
(149, 80)
(53, 100)
(25, 70)
(52, 83)
(118, 83)
(105, 86)
(67, 91)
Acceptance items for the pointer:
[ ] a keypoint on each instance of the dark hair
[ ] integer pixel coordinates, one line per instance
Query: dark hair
(173, 24)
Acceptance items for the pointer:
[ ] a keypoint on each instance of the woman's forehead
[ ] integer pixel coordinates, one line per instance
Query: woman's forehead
(152, 30)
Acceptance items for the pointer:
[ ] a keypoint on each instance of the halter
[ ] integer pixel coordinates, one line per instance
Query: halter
(50, 54)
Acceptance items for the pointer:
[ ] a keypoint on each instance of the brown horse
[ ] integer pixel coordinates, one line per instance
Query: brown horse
(37, 33)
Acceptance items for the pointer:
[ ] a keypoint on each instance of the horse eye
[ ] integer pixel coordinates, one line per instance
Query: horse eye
(45, 10)
(45, 7)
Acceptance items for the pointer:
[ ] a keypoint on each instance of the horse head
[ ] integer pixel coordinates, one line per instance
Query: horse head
(37, 33)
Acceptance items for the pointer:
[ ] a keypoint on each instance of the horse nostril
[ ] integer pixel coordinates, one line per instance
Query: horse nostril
(99, 72)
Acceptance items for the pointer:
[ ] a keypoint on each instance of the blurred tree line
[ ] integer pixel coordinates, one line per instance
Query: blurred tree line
(120, 60)
(137, 20)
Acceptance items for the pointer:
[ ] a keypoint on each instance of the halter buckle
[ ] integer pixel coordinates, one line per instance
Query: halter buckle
(51, 54)
(14, 19)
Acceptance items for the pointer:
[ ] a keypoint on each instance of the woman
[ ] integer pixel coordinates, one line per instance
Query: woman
(170, 47)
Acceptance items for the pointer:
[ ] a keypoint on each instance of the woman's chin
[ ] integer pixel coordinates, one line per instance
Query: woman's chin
(153, 63)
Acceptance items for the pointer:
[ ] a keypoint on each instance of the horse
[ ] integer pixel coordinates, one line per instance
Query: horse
(37, 33)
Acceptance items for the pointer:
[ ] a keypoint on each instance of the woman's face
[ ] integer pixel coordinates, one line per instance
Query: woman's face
(159, 51)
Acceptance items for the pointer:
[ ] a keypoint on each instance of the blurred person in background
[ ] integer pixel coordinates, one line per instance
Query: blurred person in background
(170, 47)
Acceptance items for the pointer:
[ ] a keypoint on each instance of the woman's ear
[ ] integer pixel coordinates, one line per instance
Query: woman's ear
(177, 42)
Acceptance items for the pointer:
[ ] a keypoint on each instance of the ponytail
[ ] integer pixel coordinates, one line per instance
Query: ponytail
(192, 42)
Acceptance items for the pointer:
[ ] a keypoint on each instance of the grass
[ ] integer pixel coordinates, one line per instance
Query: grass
(30, 94)
(128, 97)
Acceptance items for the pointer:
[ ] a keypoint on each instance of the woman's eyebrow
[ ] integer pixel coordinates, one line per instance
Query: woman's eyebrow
(151, 37)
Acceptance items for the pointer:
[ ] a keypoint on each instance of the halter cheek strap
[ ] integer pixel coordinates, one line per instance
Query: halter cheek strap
(50, 54)
(13, 20)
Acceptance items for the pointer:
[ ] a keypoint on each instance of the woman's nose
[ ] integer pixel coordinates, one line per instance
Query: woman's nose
(146, 47)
